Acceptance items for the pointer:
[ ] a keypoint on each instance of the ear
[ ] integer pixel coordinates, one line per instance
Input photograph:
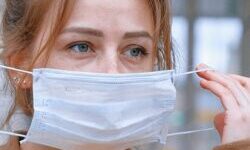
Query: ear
(20, 60)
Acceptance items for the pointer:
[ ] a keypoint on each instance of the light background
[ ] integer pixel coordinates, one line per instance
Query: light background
(215, 32)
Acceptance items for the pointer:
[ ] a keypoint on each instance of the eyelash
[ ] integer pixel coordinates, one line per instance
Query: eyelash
(71, 45)
(77, 43)
(144, 51)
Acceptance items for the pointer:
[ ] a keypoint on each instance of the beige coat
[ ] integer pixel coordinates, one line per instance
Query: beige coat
(240, 145)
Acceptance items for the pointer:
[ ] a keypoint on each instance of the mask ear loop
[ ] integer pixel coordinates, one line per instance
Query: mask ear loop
(173, 79)
(12, 134)
(174, 76)
(189, 132)
(22, 71)
(169, 135)
(15, 69)
(192, 72)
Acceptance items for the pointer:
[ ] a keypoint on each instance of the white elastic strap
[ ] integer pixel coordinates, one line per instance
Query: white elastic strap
(176, 75)
(169, 135)
(12, 134)
(15, 69)
(189, 132)
(192, 72)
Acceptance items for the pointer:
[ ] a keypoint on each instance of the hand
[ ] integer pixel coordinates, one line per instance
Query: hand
(234, 93)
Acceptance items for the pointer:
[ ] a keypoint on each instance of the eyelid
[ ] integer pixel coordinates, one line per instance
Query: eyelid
(79, 42)
(144, 50)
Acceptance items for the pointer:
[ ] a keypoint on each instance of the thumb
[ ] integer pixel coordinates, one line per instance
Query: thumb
(219, 123)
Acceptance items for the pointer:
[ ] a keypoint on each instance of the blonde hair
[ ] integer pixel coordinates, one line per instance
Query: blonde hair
(22, 21)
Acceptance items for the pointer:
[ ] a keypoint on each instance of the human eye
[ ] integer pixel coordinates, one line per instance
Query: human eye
(82, 48)
(135, 52)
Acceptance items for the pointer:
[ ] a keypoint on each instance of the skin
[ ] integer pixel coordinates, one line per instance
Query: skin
(96, 40)
(105, 42)
(233, 92)
(111, 43)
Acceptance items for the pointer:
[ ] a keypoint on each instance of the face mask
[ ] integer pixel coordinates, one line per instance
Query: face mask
(76, 110)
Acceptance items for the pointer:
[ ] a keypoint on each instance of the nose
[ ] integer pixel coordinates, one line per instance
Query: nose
(111, 63)
(112, 68)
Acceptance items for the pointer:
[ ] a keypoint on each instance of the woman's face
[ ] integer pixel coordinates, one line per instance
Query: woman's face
(107, 36)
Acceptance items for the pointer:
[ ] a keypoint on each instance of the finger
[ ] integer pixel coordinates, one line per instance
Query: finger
(228, 83)
(245, 93)
(244, 81)
(203, 68)
(227, 99)
(219, 123)
(239, 93)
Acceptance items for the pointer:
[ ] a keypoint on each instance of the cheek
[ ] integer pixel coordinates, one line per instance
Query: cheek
(149, 64)
(59, 60)
(146, 65)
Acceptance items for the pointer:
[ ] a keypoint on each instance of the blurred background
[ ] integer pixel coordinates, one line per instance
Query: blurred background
(215, 32)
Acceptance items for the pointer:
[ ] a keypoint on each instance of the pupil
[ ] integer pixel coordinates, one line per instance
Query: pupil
(82, 48)
(135, 52)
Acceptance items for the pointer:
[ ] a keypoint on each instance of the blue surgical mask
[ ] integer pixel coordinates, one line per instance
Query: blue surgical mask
(97, 111)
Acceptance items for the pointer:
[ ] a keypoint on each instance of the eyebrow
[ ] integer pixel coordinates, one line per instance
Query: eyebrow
(82, 30)
(98, 33)
(137, 35)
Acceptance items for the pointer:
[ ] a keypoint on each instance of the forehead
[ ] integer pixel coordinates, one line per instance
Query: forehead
(121, 15)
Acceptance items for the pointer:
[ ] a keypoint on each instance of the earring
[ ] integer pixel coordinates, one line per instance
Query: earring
(16, 79)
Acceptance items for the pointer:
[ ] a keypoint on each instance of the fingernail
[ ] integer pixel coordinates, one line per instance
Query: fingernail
(202, 66)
